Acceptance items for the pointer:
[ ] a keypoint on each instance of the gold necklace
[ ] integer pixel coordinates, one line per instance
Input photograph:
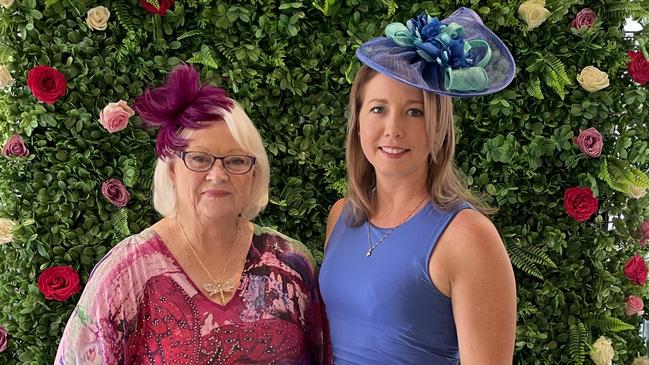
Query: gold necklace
(215, 286)
(371, 247)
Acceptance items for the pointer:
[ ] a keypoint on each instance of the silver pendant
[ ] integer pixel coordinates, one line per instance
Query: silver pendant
(368, 253)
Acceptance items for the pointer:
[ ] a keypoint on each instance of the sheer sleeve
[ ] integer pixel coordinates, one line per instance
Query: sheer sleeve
(97, 330)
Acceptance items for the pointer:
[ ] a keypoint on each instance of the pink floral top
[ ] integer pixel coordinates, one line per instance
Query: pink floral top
(140, 307)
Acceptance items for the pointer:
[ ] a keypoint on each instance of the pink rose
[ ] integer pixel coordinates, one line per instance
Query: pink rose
(15, 146)
(4, 339)
(115, 116)
(643, 232)
(633, 305)
(115, 192)
(585, 18)
(636, 270)
(590, 142)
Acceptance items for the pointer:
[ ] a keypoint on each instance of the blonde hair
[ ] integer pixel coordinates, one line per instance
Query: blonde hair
(247, 136)
(445, 186)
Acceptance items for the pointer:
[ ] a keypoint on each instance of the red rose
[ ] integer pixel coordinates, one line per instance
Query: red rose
(162, 10)
(46, 83)
(115, 192)
(636, 270)
(59, 282)
(580, 204)
(15, 146)
(638, 67)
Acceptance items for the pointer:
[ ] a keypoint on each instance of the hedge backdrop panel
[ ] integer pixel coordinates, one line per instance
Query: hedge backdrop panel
(562, 152)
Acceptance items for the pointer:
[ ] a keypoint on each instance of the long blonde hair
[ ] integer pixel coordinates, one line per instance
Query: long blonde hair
(445, 186)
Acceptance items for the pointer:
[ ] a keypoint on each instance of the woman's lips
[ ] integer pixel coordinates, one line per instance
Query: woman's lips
(216, 193)
(393, 152)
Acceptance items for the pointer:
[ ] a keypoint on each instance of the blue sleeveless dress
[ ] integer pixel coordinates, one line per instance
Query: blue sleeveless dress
(384, 309)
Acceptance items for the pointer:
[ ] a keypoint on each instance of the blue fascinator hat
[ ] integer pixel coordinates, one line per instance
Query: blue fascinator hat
(458, 56)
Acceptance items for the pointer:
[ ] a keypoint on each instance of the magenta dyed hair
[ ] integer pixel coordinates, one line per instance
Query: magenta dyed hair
(181, 103)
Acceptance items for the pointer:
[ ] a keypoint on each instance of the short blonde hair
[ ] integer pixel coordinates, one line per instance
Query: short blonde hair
(247, 136)
(445, 186)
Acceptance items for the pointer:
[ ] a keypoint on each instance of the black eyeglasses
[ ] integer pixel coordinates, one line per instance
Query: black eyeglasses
(203, 161)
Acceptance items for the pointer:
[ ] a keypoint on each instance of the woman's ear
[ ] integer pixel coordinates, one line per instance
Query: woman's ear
(172, 170)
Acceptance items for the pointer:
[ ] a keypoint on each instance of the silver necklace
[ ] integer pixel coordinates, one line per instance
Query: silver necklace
(371, 247)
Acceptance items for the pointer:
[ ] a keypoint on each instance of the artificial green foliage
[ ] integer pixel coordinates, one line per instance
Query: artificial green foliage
(623, 177)
(530, 260)
(579, 343)
(290, 64)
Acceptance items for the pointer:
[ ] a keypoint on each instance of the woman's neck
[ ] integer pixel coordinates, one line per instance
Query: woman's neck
(210, 235)
(392, 202)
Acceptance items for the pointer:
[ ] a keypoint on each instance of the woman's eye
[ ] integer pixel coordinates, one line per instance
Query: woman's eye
(415, 113)
(200, 159)
(377, 109)
(236, 161)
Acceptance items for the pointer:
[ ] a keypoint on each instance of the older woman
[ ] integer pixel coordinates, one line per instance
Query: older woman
(203, 285)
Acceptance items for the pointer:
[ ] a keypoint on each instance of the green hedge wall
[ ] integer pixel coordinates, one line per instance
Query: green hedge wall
(290, 64)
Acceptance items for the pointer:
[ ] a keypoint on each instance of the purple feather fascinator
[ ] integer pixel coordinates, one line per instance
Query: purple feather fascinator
(183, 102)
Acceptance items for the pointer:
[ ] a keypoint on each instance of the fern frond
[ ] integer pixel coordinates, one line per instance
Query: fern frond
(534, 88)
(557, 66)
(539, 257)
(189, 34)
(226, 49)
(155, 3)
(578, 343)
(610, 324)
(205, 57)
(327, 7)
(552, 79)
(626, 8)
(623, 177)
(528, 261)
(123, 13)
(120, 222)
(391, 5)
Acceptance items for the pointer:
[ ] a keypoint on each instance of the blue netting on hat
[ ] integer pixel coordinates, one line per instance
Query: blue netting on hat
(465, 59)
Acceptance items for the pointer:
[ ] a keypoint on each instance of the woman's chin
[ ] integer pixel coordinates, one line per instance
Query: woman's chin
(217, 213)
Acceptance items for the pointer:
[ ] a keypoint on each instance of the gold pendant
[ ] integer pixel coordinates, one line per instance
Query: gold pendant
(219, 287)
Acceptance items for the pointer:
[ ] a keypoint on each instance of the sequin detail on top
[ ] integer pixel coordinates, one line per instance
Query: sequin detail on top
(140, 307)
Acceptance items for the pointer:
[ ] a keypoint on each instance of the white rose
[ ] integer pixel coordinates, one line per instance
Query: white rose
(592, 79)
(98, 18)
(533, 13)
(602, 352)
(5, 77)
(641, 361)
(6, 3)
(636, 192)
(6, 226)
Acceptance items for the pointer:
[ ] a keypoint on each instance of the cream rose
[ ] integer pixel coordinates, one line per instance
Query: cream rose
(533, 12)
(5, 77)
(602, 352)
(6, 226)
(636, 192)
(6, 3)
(641, 361)
(592, 79)
(98, 18)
